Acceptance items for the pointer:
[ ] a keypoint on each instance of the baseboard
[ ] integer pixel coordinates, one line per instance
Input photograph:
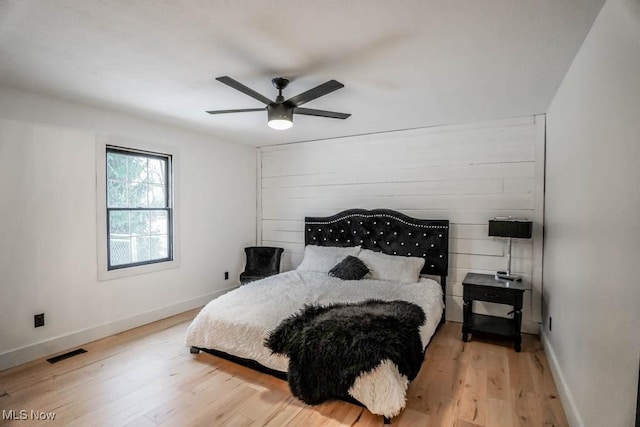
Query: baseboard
(568, 404)
(57, 344)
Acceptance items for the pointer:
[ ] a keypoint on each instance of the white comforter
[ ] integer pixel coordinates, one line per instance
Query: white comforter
(239, 321)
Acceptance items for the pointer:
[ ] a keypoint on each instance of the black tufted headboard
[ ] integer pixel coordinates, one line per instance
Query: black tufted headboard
(385, 231)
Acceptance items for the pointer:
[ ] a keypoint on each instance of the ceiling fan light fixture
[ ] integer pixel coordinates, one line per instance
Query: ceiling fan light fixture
(280, 117)
(279, 124)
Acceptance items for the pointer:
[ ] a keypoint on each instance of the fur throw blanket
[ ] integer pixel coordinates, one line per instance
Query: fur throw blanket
(329, 347)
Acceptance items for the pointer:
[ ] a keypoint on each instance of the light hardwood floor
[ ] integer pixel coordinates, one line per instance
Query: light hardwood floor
(147, 377)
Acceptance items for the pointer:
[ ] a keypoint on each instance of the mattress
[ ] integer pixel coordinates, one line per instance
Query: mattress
(238, 322)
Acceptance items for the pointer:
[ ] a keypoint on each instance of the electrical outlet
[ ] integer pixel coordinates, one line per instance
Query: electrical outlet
(550, 323)
(38, 320)
(226, 275)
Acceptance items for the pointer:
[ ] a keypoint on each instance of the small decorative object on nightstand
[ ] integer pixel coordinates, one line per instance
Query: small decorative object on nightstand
(485, 287)
(510, 228)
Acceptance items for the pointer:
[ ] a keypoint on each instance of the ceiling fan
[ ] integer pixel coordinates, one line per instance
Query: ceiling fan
(280, 112)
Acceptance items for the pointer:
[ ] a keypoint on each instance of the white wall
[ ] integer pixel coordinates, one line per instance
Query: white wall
(465, 173)
(592, 235)
(48, 234)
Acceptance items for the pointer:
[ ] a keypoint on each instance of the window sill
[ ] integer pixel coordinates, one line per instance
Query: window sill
(104, 275)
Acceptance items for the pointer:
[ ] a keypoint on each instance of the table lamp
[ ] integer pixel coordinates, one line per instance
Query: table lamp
(512, 228)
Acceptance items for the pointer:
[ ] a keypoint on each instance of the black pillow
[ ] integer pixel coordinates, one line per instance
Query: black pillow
(350, 268)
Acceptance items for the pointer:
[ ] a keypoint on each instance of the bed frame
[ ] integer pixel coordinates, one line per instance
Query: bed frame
(380, 230)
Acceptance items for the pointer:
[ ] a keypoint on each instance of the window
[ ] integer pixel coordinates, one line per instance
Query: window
(138, 222)
(139, 214)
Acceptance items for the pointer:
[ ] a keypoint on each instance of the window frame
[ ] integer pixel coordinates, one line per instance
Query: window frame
(112, 144)
(168, 207)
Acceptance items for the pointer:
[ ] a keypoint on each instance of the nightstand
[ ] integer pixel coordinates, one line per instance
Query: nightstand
(485, 287)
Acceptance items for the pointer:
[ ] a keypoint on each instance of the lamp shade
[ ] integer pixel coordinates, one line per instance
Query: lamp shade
(515, 228)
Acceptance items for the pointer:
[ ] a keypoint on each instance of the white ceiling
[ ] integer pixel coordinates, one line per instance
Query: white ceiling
(404, 63)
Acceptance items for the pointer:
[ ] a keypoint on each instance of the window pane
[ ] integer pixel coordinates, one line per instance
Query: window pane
(120, 249)
(139, 223)
(140, 248)
(159, 222)
(157, 169)
(116, 194)
(157, 197)
(138, 195)
(137, 168)
(119, 223)
(159, 247)
(116, 166)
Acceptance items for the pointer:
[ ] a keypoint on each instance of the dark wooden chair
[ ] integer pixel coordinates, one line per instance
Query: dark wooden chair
(262, 261)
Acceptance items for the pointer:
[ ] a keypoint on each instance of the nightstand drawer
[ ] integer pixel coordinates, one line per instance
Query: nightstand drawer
(490, 294)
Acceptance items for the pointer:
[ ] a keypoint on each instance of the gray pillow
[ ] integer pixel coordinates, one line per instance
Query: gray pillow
(350, 268)
(323, 258)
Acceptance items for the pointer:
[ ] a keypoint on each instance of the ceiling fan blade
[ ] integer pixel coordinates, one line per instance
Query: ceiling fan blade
(314, 93)
(320, 113)
(243, 110)
(242, 88)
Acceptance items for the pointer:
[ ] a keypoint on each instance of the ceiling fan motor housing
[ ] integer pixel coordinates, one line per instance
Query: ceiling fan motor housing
(280, 111)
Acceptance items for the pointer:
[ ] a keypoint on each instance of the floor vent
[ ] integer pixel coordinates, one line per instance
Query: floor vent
(60, 357)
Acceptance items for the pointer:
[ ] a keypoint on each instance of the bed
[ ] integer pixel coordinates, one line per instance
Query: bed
(237, 324)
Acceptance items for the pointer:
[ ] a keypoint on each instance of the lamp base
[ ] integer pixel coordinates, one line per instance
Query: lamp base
(503, 275)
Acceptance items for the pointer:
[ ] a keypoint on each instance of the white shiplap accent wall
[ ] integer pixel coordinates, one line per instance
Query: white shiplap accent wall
(467, 174)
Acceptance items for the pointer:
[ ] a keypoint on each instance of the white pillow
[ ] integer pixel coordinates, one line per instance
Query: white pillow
(401, 269)
(324, 258)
